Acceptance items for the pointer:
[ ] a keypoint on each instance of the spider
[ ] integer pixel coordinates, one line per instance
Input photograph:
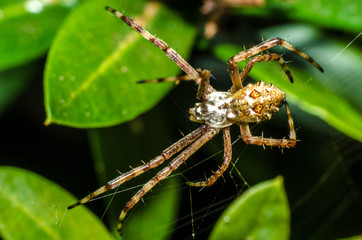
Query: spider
(216, 111)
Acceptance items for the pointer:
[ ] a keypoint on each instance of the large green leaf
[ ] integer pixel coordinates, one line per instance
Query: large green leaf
(315, 92)
(337, 14)
(34, 208)
(94, 63)
(262, 212)
(27, 28)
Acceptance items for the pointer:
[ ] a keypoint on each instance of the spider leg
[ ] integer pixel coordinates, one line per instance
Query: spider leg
(283, 143)
(172, 54)
(234, 76)
(176, 80)
(265, 57)
(241, 56)
(181, 158)
(227, 159)
(165, 155)
(269, 44)
(292, 134)
(204, 85)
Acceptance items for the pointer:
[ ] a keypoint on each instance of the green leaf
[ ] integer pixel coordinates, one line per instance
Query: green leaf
(94, 63)
(314, 92)
(337, 14)
(27, 28)
(34, 208)
(261, 212)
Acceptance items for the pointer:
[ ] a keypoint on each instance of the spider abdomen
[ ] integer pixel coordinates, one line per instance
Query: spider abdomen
(255, 102)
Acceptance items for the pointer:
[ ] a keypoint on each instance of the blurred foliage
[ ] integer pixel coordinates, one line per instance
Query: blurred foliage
(28, 28)
(89, 81)
(332, 14)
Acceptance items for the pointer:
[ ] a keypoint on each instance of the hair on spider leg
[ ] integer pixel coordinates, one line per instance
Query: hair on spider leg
(213, 77)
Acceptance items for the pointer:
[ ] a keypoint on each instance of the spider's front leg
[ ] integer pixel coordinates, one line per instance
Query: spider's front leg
(202, 78)
(175, 80)
(283, 143)
(227, 159)
(170, 52)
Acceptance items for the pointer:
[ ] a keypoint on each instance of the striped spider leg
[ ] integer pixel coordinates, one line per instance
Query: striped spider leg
(216, 111)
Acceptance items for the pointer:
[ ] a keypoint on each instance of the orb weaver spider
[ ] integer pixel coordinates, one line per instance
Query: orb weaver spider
(216, 111)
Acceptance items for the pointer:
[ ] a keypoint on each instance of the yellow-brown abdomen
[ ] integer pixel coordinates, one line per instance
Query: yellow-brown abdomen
(255, 102)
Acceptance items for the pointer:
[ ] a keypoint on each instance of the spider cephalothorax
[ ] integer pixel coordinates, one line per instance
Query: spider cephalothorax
(213, 111)
(216, 110)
